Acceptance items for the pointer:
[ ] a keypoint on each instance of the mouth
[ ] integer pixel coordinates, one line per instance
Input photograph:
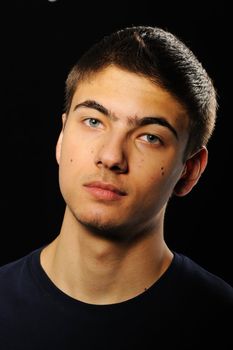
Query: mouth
(105, 191)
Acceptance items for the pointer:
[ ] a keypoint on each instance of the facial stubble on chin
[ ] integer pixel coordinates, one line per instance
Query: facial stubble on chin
(112, 231)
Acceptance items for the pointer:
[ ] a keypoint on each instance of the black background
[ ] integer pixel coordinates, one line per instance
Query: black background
(40, 41)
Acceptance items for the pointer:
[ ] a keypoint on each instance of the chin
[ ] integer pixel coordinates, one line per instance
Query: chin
(105, 228)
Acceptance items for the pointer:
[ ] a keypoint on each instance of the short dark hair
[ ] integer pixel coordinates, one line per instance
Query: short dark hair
(164, 59)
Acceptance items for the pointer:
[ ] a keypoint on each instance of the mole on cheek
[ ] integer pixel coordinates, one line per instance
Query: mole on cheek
(141, 163)
(162, 170)
(71, 160)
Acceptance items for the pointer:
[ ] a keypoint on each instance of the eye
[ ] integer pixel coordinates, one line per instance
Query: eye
(92, 122)
(150, 138)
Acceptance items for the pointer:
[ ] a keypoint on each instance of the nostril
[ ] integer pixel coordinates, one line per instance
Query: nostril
(115, 168)
(119, 169)
(113, 162)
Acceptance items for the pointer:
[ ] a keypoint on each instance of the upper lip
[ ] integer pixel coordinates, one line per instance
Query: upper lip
(106, 186)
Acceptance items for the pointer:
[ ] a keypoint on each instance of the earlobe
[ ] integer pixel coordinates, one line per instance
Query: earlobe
(193, 169)
(60, 138)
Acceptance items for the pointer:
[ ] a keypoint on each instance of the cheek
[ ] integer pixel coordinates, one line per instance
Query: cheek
(75, 161)
(154, 180)
(150, 182)
(153, 171)
(68, 162)
(68, 157)
(75, 151)
(140, 164)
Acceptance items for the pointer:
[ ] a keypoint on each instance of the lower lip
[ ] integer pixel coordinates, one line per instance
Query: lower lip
(103, 194)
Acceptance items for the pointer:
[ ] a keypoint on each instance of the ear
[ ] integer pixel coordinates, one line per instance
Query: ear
(193, 169)
(60, 138)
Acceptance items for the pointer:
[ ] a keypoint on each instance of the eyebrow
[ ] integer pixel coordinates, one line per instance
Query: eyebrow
(135, 121)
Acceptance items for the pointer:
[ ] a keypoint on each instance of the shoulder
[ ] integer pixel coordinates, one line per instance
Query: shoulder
(12, 269)
(14, 274)
(203, 284)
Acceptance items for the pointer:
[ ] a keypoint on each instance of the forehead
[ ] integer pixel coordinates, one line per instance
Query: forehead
(128, 94)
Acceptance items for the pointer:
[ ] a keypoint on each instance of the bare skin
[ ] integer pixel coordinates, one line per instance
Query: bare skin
(116, 175)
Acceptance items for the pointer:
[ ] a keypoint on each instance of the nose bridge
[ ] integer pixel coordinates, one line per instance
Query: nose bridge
(112, 152)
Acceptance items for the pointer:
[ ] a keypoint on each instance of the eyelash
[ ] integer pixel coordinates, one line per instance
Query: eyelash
(157, 139)
(87, 122)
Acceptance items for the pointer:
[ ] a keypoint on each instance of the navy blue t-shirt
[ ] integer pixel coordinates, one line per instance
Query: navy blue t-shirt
(187, 308)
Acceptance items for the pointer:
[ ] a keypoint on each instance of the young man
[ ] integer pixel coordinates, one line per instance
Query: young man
(140, 110)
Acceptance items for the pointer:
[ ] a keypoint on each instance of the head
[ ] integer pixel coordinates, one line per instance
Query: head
(165, 60)
(140, 109)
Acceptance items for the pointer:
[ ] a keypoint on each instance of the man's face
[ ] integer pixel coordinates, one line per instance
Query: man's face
(120, 152)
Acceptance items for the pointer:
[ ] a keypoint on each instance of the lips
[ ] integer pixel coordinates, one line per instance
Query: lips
(105, 191)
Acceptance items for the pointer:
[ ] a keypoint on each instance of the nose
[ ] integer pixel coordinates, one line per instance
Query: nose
(112, 155)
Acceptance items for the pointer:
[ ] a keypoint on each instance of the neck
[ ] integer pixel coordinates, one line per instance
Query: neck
(99, 271)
